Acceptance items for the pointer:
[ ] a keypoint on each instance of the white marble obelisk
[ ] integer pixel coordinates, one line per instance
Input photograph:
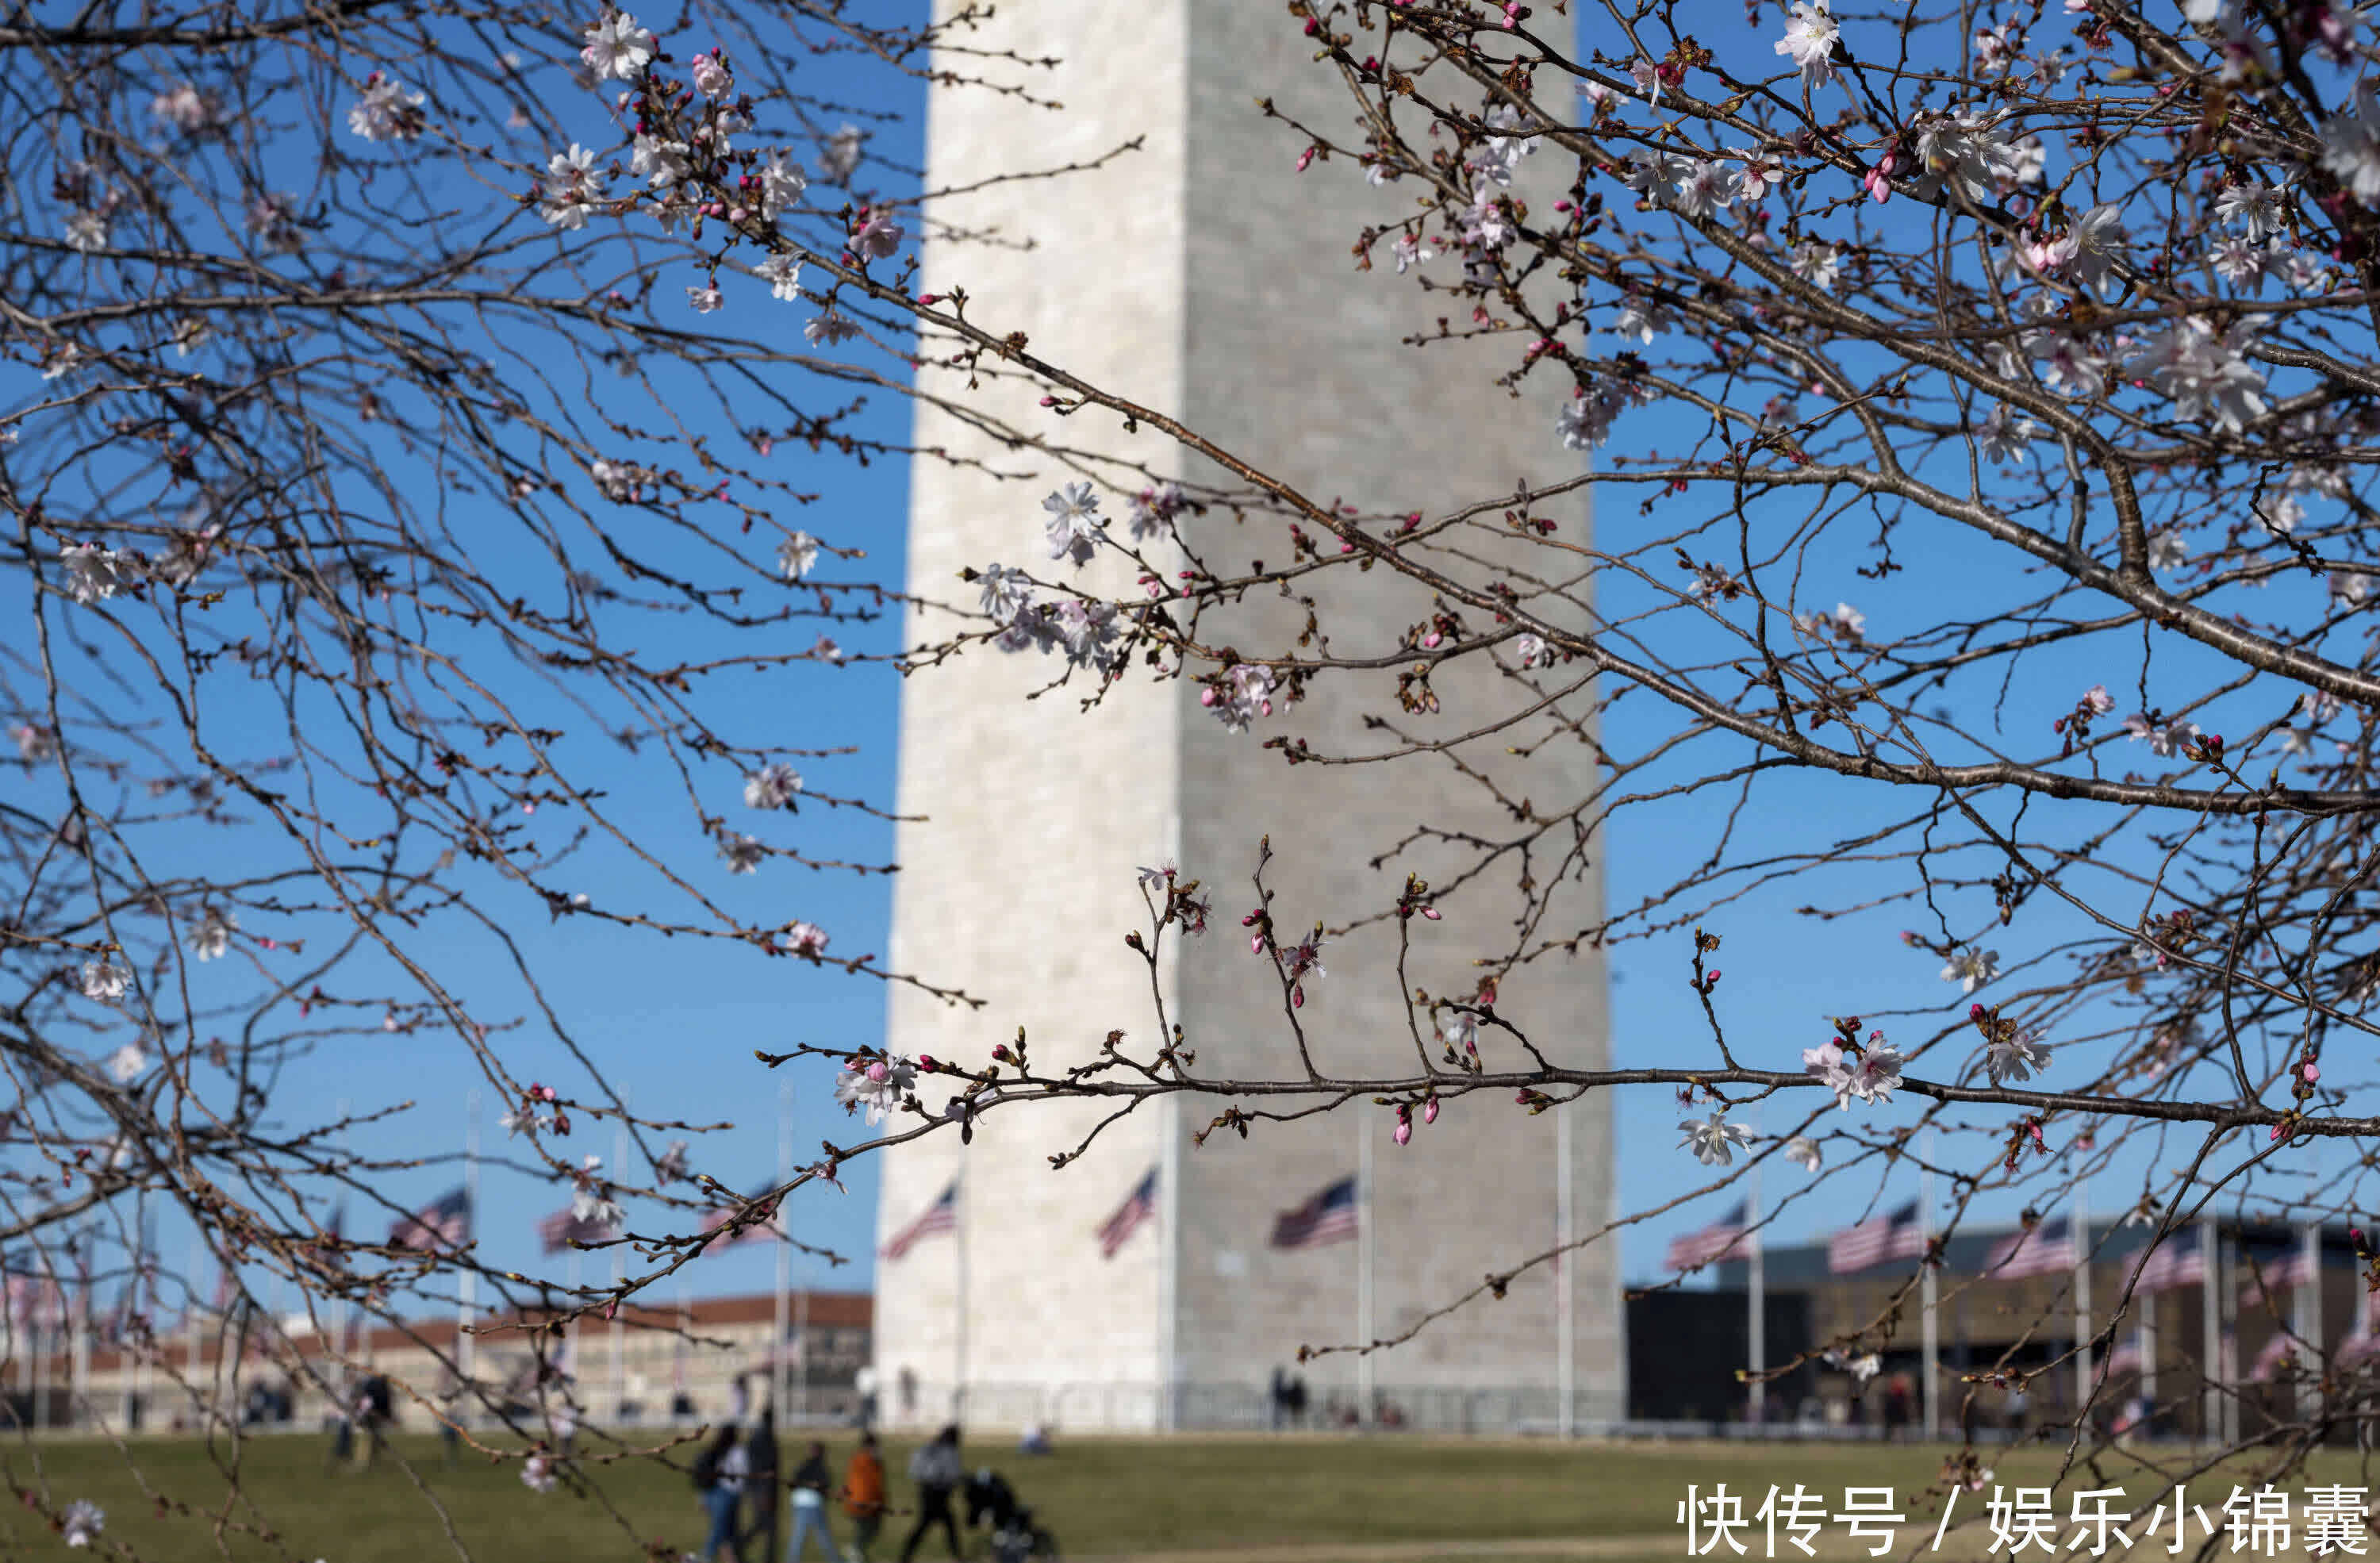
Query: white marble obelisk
(1203, 275)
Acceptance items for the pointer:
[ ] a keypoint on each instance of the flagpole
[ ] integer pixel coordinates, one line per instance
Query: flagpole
(1167, 1209)
(619, 1274)
(1930, 1328)
(2146, 1342)
(2308, 1322)
(777, 1373)
(2210, 1309)
(1565, 1283)
(190, 1315)
(340, 1304)
(802, 1336)
(1755, 1298)
(2082, 1294)
(964, 1199)
(467, 1288)
(78, 1325)
(1364, 1213)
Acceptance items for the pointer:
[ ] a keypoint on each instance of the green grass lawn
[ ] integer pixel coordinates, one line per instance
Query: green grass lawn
(166, 1498)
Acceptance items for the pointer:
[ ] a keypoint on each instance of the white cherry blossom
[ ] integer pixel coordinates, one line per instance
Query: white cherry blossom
(1714, 1140)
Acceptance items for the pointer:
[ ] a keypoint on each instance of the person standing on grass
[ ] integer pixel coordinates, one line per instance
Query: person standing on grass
(811, 1479)
(718, 1478)
(936, 1469)
(761, 1490)
(863, 1496)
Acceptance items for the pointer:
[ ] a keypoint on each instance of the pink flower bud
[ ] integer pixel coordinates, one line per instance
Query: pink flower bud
(1207, 697)
(1714, 976)
(1297, 997)
(1974, 1011)
(1256, 944)
(926, 1061)
(876, 1072)
(1429, 1110)
(2310, 1071)
(1430, 912)
(1404, 1131)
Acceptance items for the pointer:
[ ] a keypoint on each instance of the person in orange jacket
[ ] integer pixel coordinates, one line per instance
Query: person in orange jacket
(863, 1496)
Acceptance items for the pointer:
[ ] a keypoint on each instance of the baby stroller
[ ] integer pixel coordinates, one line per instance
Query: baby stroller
(1014, 1537)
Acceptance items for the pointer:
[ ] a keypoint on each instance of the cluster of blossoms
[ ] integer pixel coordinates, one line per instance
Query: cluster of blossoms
(591, 1199)
(876, 1085)
(1714, 1140)
(774, 785)
(540, 1109)
(104, 980)
(1869, 1071)
(571, 185)
(82, 1523)
(387, 111)
(1244, 693)
(1081, 630)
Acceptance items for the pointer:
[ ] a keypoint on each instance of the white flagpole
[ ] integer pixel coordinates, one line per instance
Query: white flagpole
(778, 1375)
(190, 1315)
(2082, 1293)
(1930, 1329)
(802, 1336)
(2308, 1309)
(965, 1198)
(340, 1305)
(2146, 1342)
(1364, 1211)
(1755, 1298)
(1168, 1262)
(2210, 1309)
(467, 1288)
(619, 1274)
(1565, 1283)
(79, 1409)
(570, 1366)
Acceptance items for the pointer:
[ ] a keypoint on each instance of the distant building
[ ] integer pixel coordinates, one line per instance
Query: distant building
(651, 1364)
(1989, 1324)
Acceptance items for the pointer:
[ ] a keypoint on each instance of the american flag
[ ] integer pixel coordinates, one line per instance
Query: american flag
(1137, 1208)
(564, 1228)
(2046, 1249)
(942, 1215)
(443, 1223)
(1705, 1244)
(761, 1231)
(2277, 1274)
(2359, 1342)
(2268, 1360)
(2175, 1264)
(1896, 1236)
(1329, 1217)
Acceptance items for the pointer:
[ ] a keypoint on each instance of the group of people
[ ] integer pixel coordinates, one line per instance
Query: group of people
(737, 1475)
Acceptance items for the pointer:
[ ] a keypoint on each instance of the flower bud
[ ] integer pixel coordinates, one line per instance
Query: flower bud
(1429, 1110)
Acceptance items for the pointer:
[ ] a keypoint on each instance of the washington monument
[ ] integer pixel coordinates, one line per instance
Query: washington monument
(1203, 273)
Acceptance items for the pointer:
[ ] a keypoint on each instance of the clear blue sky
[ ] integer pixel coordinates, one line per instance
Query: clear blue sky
(676, 1022)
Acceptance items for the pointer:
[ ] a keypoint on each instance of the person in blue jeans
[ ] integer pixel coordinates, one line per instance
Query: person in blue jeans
(811, 1480)
(719, 1473)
